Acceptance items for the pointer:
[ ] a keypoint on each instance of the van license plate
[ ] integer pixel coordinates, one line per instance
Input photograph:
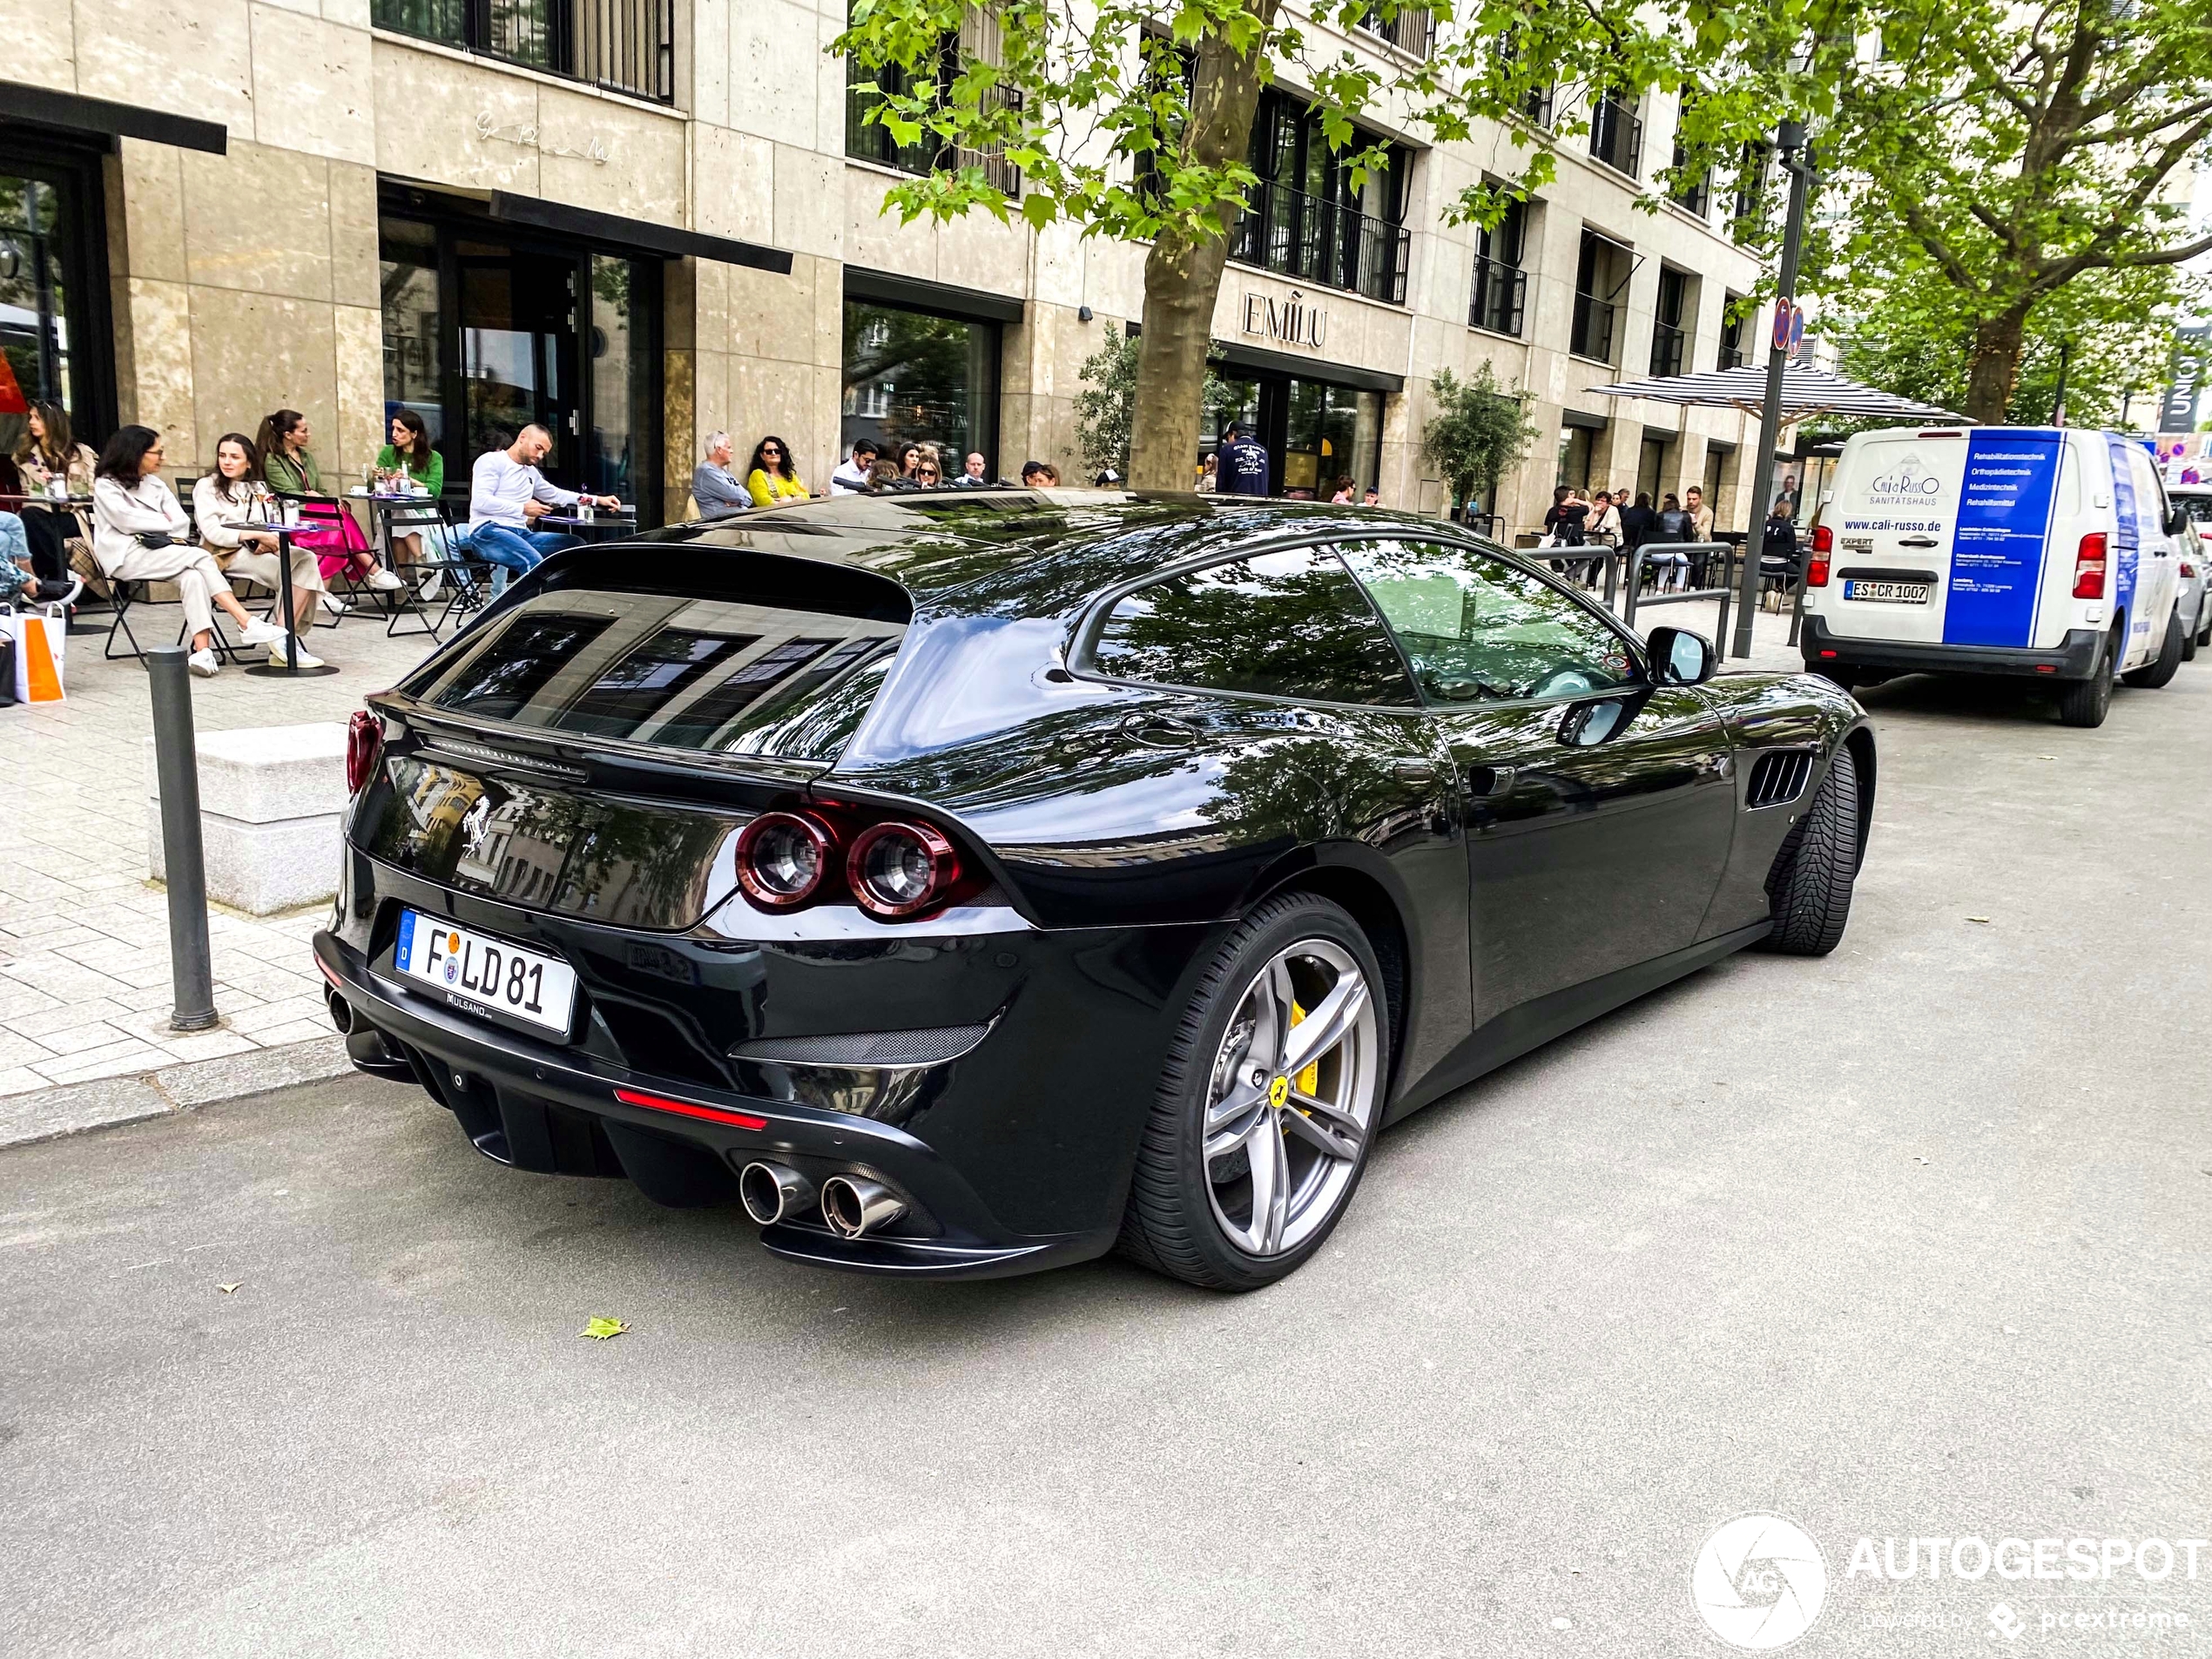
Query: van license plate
(480, 975)
(1888, 593)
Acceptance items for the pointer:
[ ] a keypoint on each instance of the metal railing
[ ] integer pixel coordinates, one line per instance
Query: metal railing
(872, 142)
(1500, 297)
(1732, 347)
(1668, 343)
(1701, 558)
(1323, 242)
(1411, 31)
(1592, 334)
(1616, 137)
(622, 45)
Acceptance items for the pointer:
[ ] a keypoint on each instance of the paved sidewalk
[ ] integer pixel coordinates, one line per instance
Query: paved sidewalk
(85, 986)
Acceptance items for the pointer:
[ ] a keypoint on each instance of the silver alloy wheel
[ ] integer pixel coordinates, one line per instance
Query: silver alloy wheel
(1292, 1098)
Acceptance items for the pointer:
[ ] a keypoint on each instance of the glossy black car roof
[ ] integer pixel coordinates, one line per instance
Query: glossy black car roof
(1026, 552)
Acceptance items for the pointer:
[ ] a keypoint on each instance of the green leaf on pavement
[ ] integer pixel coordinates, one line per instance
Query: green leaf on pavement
(600, 1329)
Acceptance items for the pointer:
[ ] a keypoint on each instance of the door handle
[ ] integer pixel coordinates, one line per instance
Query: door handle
(1487, 783)
(1412, 771)
(1916, 541)
(1159, 730)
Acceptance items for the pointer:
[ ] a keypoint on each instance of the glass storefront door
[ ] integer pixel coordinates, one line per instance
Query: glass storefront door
(484, 337)
(916, 377)
(53, 318)
(1316, 432)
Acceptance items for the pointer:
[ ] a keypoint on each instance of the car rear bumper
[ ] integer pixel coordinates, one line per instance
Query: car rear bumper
(552, 1110)
(2075, 659)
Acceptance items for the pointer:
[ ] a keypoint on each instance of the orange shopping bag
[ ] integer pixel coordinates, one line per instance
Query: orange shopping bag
(40, 638)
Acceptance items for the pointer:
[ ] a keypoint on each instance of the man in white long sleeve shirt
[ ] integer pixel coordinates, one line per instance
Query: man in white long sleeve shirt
(506, 492)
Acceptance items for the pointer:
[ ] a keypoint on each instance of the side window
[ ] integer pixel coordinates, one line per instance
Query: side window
(1475, 627)
(1289, 623)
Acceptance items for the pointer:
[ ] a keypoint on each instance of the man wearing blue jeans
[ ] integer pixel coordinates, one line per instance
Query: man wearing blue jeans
(506, 491)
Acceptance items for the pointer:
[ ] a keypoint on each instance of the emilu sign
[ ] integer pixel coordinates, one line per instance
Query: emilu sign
(1292, 321)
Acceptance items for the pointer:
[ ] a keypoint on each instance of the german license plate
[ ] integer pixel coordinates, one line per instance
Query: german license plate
(479, 974)
(1888, 593)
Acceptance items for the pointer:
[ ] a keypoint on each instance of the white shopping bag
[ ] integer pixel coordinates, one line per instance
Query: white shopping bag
(41, 634)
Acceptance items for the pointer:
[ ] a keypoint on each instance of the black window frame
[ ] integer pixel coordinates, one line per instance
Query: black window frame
(1734, 325)
(1325, 240)
(1592, 307)
(1670, 334)
(1082, 663)
(1500, 285)
(596, 44)
(866, 140)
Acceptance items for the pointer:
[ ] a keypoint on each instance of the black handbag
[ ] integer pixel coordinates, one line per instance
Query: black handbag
(7, 671)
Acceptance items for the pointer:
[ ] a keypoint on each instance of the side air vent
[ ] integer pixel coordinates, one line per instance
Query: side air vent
(1779, 778)
(930, 1046)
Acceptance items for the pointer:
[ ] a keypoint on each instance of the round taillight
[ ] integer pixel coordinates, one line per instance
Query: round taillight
(896, 869)
(782, 858)
(364, 745)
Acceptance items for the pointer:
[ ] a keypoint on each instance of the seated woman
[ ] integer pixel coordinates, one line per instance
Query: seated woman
(410, 456)
(50, 462)
(227, 503)
(288, 467)
(20, 582)
(772, 477)
(138, 535)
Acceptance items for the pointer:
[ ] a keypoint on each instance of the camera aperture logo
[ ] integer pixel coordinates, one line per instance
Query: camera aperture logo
(1758, 1582)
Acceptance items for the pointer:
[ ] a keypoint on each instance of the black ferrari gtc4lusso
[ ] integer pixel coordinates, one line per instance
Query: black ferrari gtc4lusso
(970, 883)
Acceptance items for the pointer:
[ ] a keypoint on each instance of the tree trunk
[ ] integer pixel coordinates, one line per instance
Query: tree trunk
(1995, 371)
(1182, 275)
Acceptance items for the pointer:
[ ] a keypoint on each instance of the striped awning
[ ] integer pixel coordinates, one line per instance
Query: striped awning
(1805, 392)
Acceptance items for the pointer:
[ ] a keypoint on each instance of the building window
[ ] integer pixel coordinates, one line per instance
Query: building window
(623, 45)
(1695, 198)
(1670, 336)
(51, 327)
(1500, 285)
(1748, 212)
(1602, 274)
(1306, 218)
(1732, 325)
(917, 377)
(1616, 135)
(1410, 31)
(976, 41)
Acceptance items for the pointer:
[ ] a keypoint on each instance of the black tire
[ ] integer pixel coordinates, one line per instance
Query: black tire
(2086, 703)
(2188, 647)
(1808, 888)
(1171, 1225)
(2161, 668)
(2205, 616)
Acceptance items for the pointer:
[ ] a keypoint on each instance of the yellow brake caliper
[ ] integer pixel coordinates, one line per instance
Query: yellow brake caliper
(1308, 1080)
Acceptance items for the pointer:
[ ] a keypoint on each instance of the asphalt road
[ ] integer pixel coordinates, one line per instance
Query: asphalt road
(1915, 1241)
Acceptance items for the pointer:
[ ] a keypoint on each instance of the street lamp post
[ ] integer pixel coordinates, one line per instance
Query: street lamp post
(1797, 156)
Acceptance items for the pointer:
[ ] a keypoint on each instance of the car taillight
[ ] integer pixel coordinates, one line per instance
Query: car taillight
(782, 858)
(2188, 569)
(1824, 544)
(364, 745)
(2089, 567)
(898, 868)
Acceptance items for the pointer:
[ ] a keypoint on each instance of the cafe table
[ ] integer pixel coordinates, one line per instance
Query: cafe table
(288, 668)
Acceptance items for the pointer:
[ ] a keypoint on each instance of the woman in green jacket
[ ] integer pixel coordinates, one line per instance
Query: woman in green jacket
(288, 467)
(409, 453)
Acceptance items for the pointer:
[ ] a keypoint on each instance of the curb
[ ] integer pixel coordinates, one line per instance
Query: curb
(74, 1108)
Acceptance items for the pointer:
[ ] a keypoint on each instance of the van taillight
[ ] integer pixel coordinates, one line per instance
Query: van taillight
(1824, 542)
(2089, 567)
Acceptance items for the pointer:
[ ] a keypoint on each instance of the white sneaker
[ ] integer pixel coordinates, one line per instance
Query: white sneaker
(203, 663)
(260, 631)
(301, 658)
(386, 582)
(431, 584)
(334, 604)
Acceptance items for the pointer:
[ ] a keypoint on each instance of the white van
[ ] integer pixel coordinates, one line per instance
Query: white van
(2046, 552)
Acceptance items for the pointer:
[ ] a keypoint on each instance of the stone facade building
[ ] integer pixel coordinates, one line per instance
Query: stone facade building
(636, 221)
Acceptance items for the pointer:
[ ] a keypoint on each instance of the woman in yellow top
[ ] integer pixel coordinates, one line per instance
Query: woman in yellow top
(773, 478)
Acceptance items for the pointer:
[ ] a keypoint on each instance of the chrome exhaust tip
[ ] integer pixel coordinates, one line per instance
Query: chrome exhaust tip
(773, 1192)
(341, 1011)
(854, 1205)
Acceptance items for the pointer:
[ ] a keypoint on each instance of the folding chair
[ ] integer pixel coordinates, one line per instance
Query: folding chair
(461, 575)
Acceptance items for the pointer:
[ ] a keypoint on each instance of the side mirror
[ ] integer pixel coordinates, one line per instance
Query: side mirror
(2177, 521)
(1588, 725)
(1680, 657)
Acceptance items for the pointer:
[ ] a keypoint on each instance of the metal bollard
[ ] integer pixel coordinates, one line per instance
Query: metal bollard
(191, 970)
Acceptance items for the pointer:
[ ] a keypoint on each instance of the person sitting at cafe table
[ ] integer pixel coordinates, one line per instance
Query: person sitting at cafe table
(139, 532)
(773, 477)
(507, 494)
(20, 582)
(714, 487)
(410, 456)
(230, 505)
(852, 478)
(289, 468)
(48, 456)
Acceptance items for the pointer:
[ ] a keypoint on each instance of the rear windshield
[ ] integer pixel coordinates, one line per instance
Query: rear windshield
(712, 675)
(2199, 508)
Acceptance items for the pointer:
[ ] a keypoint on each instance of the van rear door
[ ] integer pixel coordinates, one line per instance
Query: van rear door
(1896, 503)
